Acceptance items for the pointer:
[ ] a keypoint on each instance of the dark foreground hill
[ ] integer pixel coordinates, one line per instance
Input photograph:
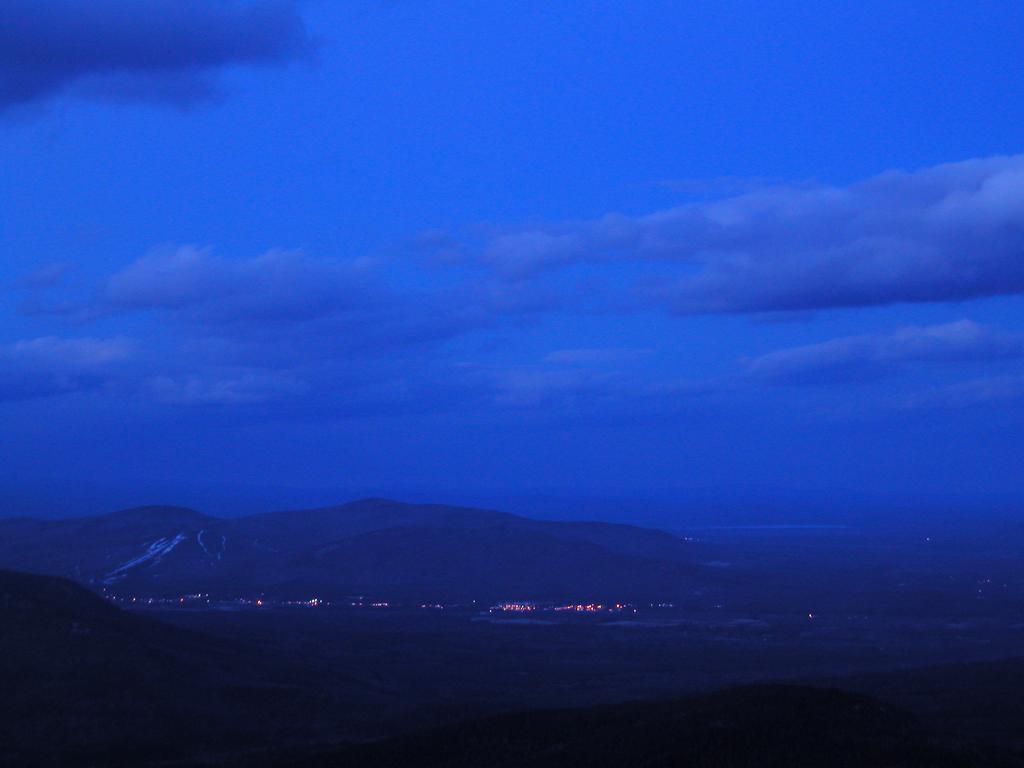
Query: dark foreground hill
(755, 727)
(83, 682)
(373, 547)
(983, 699)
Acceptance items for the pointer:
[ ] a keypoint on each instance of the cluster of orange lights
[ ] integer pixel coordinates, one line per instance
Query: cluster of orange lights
(587, 607)
(592, 607)
(515, 607)
(525, 607)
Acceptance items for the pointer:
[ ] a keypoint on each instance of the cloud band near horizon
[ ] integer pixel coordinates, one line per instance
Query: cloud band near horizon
(284, 324)
(947, 233)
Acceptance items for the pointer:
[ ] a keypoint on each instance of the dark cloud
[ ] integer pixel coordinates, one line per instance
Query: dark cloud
(946, 233)
(151, 50)
(50, 365)
(290, 306)
(273, 288)
(870, 355)
(279, 327)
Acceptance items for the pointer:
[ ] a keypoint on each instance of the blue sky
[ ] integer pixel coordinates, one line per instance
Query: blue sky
(459, 250)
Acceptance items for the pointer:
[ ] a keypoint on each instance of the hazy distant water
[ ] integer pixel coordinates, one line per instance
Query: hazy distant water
(778, 527)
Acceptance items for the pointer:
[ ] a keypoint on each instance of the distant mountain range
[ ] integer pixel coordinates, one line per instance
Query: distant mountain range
(373, 547)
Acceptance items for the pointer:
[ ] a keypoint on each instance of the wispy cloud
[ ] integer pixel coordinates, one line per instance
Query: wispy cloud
(871, 355)
(977, 392)
(596, 356)
(220, 387)
(946, 233)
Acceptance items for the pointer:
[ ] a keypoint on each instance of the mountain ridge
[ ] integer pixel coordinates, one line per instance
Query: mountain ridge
(390, 548)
